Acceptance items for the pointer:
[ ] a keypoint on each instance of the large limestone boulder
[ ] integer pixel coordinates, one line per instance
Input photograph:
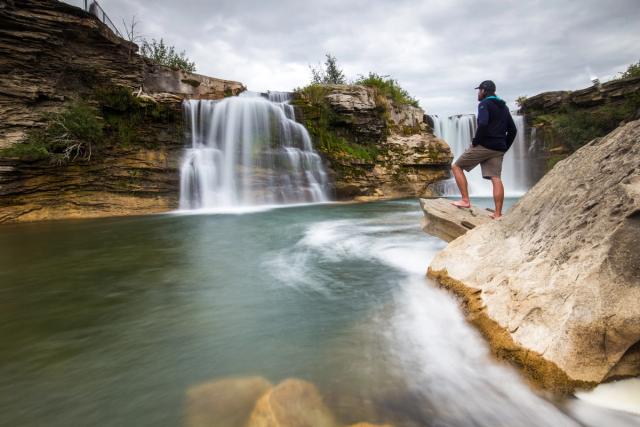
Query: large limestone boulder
(292, 403)
(224, 403)
(555, 284)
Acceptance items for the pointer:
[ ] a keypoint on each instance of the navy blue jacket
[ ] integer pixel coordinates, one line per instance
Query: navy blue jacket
(496, 129)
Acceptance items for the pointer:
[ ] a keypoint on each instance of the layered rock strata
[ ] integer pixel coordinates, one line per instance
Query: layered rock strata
(553, 285)
(53, 55)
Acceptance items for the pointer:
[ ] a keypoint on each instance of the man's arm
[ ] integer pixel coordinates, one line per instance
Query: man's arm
(511, 130)
(483, 124)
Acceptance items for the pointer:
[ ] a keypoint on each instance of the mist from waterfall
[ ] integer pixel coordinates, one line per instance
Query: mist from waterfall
(518, 172)
(248, 151)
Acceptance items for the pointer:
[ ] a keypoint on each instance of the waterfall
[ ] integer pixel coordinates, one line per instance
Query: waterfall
(517, 171)
(248, 151)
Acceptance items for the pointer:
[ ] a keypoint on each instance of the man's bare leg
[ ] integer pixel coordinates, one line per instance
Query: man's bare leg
(461, 181)
(498, 195)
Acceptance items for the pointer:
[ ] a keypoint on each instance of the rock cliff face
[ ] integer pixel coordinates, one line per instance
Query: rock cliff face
(554, 284)
(375, 148)
(53, 55)
(564, 121)
(50, 52)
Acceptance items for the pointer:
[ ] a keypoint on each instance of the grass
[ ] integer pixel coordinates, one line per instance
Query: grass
(389, 88)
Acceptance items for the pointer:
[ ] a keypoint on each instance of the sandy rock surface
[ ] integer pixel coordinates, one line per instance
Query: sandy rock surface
(558, 278)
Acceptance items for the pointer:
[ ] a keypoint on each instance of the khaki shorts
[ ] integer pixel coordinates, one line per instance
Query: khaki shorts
(490, 161)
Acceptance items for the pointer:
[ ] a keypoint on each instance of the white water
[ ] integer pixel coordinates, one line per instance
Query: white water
(458, 132)
(423, 338)
(248, 151)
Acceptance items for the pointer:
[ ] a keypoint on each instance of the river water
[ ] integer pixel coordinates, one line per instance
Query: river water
(108, 322)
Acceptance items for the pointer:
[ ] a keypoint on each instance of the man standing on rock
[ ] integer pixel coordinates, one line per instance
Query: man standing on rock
(495, 134)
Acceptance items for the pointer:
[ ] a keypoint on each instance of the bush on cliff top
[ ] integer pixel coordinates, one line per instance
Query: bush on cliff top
(387, 87)
(330, 75)
(160, 53)
(633, 70)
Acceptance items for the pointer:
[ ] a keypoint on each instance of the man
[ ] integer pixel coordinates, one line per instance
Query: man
(495, 134)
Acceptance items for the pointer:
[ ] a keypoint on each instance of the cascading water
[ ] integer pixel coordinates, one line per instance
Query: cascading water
(518, 172)
(248, 151)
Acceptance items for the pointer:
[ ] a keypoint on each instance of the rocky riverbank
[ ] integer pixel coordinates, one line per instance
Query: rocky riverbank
(552, 285)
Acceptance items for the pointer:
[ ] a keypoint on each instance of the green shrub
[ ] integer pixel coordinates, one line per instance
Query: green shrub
(330, 75)
(387, 87)
(574, 128)
(30, 150)
(67, 136)
(633, 70)
(160, 53)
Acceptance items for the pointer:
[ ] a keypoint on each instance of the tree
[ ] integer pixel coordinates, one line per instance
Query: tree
(160, 53)
(132, 33)
(633, 70)
(330, 75)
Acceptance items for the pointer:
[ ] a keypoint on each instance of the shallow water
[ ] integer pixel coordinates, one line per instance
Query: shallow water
(108, 322)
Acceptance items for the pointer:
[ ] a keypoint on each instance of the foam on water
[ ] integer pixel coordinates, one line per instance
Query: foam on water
(447, 366)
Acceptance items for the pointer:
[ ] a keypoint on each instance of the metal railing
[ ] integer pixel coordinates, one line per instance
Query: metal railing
(95, 9)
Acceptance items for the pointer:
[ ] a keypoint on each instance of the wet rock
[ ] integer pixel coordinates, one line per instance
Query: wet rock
(370, 425)
(554, 284)
(443, 220)
(224, 403)
(292, 403)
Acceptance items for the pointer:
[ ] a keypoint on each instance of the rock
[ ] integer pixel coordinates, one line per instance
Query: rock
(595, 95)
(120, 181)
(161, 79)
(370, 425)
(554, 285)
(224, 403)
(292, 403)
(407, 158)
(53, 52)
(443, 220)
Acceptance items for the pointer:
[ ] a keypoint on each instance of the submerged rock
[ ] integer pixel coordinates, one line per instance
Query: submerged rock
(292, 403)
(370, 425)
(555, 284)
(225, 403)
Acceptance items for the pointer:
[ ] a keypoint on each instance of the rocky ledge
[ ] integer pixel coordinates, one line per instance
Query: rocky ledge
(554, 285)
(443, 220)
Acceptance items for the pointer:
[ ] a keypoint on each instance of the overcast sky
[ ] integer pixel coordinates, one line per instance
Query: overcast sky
(438, 50)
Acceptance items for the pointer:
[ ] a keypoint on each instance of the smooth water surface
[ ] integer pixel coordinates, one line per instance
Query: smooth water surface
(108, 322)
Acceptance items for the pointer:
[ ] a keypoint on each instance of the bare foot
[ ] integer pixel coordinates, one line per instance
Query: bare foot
(461, 204)
(495, 216)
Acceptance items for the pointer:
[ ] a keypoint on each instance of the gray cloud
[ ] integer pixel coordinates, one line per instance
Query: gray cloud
(438, 50)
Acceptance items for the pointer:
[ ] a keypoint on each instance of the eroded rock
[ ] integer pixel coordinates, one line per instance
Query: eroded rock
(554, 285)
(224, 403)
